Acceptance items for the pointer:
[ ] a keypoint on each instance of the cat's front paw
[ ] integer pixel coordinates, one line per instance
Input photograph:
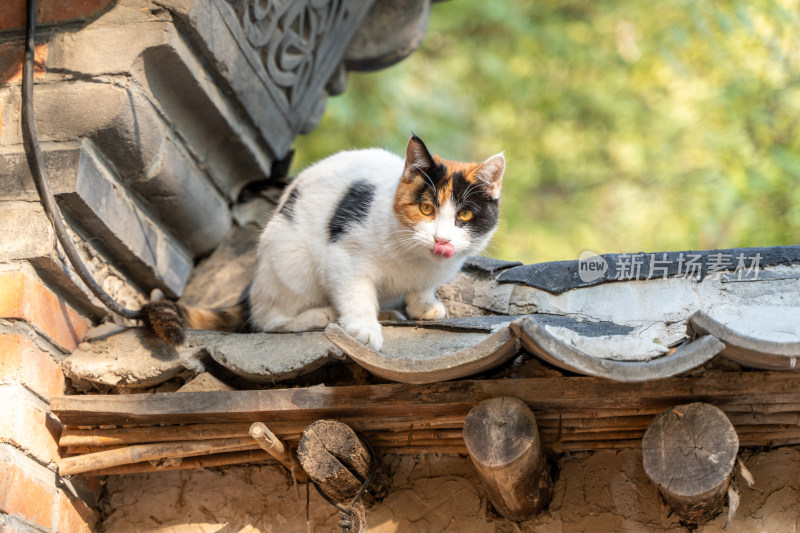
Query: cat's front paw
(365, 331)
(424, 310)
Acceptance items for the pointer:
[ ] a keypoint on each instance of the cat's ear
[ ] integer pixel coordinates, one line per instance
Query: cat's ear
(490, 173)
(418, 158)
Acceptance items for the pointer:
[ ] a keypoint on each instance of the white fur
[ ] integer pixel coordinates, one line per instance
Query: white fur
(303, 281)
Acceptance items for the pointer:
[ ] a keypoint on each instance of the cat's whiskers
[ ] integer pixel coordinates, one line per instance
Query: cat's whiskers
(430, 181)
(472, 189)
(405, 240)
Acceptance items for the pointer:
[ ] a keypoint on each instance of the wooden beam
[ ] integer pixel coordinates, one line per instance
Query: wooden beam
(689, 452)
(734, 390)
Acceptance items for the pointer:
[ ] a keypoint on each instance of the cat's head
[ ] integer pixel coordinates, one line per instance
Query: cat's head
(450, 208)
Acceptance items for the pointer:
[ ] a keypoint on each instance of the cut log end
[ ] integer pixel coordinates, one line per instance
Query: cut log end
(335, 459)
(689, 452)
(503, 442)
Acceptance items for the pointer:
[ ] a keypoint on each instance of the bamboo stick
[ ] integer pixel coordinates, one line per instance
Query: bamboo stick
(417, 443)
(573, 422)
(138, 435)
(770, 442)
(151, 452)
(760, 408)
(423, 450)
(620, 429)
(549, 433)
(598, 445)
(207, 461)
(440, 447)
(764, 418)
(271, 444)
(71, 436)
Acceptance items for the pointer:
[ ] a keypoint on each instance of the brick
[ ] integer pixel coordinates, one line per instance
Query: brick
(26, 425)
(24, 297)
(11, 56)
(25, 231)
(94, 200)
(27, 235)
(125, 127)
(74, 516)
(228, 148)
(25, 494)
(12, 16)
(23, 362)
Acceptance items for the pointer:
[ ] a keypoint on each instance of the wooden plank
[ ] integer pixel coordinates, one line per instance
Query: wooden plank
(722, 389)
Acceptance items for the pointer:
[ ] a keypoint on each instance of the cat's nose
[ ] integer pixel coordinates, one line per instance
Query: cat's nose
(441, 240)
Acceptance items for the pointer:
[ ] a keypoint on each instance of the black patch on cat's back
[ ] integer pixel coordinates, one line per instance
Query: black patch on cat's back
(287, 209)
(353, 208)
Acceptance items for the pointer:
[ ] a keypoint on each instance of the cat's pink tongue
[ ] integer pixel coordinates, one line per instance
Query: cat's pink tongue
(445, 249)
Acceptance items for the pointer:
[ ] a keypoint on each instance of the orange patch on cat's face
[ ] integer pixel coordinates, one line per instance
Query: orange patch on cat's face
(407, 197)
(406, 202)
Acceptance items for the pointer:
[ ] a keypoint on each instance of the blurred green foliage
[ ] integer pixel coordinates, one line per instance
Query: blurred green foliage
(627, 125)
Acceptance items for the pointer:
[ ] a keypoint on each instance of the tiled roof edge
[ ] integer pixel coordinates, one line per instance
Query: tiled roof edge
(557, 277)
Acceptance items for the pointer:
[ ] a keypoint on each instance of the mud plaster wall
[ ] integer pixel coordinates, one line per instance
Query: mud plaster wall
(595, 492)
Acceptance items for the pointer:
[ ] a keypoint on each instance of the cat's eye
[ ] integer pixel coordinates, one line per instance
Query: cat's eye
(426, 208)
(465, 215)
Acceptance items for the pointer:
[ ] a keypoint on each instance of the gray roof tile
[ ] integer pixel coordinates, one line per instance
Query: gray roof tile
(766, 337)
(632, 330)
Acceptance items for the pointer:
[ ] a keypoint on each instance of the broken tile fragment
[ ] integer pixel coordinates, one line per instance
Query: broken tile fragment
(134, 358)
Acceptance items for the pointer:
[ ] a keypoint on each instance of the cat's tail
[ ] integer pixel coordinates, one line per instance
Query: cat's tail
(169, 320)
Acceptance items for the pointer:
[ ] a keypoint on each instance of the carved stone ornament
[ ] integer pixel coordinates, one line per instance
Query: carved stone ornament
(295, 47)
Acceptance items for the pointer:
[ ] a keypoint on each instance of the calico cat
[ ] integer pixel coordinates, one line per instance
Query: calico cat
(354, 231)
